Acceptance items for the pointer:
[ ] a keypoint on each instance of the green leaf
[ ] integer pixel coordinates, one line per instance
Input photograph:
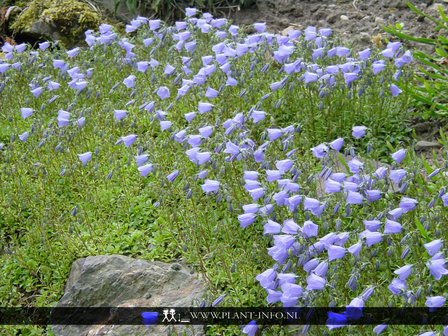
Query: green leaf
(343, 162)
(116, 4)
(132, 5)
(421, 228)
(442, 14)
(415, 9)
(393, 31)
(389, 145)
(426, 165)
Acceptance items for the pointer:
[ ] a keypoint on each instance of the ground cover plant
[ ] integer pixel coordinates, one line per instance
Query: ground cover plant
(431, 86)
(272, 164)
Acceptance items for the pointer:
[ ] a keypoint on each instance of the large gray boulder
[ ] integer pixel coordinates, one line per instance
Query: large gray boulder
(119, 281)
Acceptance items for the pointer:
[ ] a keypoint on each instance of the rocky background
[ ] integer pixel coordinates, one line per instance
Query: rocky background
(355, 21)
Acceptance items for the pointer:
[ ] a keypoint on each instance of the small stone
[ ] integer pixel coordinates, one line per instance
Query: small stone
(344, 18)
(176, 267)
(287, 30)
(364, 37)
(427, 145)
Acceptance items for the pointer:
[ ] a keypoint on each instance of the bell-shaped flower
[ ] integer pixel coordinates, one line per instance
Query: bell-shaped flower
(435, 301)
(399, 155)
(85, 157)
(392, 226)
(293, 202)
(211, 93)
(310, 265)
(397, 175)
(273, 175)
(280, 197)
(258, 116)
(251, 328)
(129, 139)
(204, 107)
(320, 151)
(335, 252)
(44, 45)
(171, 177)
(53, 85)
(80, 122)
(210, 186)
(404, 272)
(315, 282)
(379, 328)
(437, 268)
(372, 225)
(271, 227)
(202, 174)
(163, 92)
(274, 133)
(206, 131)
(354, 197)
(397, 286)
(129, 81)
(256, 193)
(381, 172)
(250, 175)
(145, 169)
(371, 238)
(373, 195)
(359, 131)
(337, 144)
(231, 148)
(194, 140)
(396, 213)
(433, 247)
(284, 165)
(395, 90)
(273, 296)
(291, 293)
(24, 136)
(355, 249)
(251, 185)
(309, 229)
(26, 112)
(63, 118)
(120, 114)
(321, 269)
(37, 91)
(408, 204)
(165, 124)
(332, 186)
(289, 226)
(355, 165)
(203, 157)
(190, 116)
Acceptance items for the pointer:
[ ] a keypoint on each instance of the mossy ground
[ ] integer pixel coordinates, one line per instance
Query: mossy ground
(72, 18)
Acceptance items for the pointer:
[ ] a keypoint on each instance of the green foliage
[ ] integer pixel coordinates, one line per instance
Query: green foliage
(431, 87)
(55, 210)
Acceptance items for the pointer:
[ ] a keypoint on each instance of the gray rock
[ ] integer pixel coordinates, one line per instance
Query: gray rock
(379, 20)
(433, 10)
(119, 281)
(427, 145)
(123, 13)
(43, 30)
